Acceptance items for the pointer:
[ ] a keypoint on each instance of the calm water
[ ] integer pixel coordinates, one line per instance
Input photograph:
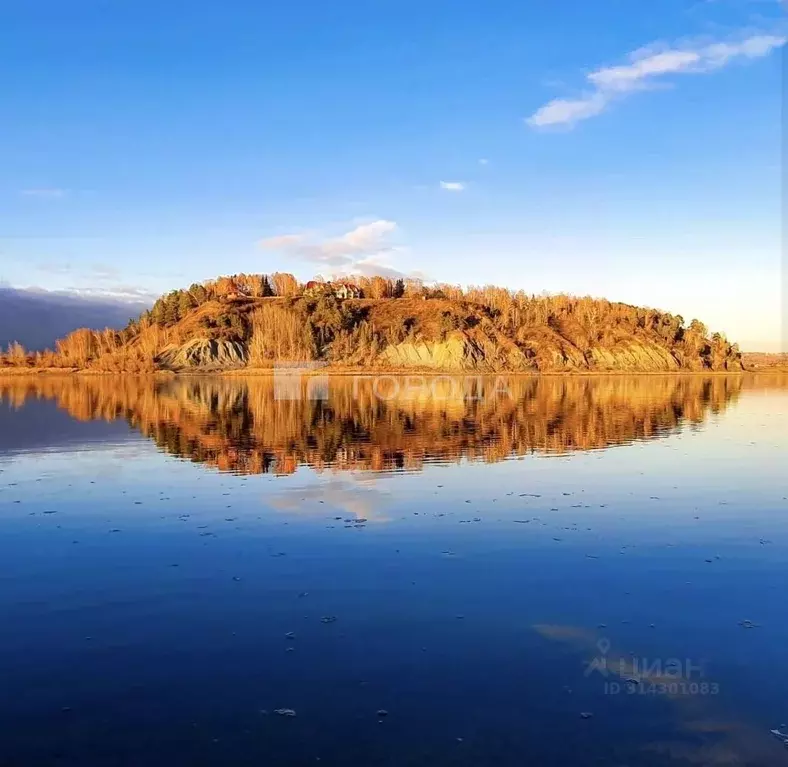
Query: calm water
(426, 575)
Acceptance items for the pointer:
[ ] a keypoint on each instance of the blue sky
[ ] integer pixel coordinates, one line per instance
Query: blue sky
(631, 151)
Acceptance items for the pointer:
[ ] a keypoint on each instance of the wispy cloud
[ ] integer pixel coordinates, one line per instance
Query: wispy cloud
(55, 268)
(45, 193)
(453, 186)
(95, 271)
(282, 242)
(363, 249)
(647, 68)
(104, 271)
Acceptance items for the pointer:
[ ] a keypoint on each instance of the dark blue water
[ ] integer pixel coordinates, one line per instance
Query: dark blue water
(159, 611)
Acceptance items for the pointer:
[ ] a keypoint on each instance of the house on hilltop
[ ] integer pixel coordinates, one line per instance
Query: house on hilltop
(315, 288)
(346, 290)
(340, 290)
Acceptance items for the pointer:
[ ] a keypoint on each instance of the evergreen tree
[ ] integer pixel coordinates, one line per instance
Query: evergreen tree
(185, 303)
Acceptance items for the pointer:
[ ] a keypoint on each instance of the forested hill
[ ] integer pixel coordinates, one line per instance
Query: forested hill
(256, 321)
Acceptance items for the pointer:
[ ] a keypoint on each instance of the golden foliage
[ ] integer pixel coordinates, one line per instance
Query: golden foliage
(278, 334)
(272, 318)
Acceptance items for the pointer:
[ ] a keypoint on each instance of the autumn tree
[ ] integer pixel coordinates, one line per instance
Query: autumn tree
(378, 288)
(79, 347)
(16, 354)
(226, 286)
(186, 303)
(263, 288)
(198, 293)
(284, 284)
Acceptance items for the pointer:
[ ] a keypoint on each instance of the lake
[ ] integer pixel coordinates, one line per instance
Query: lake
(393, 571)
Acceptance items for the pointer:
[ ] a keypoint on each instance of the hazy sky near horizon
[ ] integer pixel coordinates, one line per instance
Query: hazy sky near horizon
(631, 151)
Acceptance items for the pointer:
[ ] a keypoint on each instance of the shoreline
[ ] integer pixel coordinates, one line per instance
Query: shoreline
(362, 372)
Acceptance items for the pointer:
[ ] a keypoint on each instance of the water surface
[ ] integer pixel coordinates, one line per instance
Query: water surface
(487, 563)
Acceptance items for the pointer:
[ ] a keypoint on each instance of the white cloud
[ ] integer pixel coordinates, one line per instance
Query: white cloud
(372, 266)
(569, 111)
(453, 186)
(362, 249)
(121, 293)
(484, 161)
(646, 68)
(282, 242)
(45, 193)
(96, 271)
(365, 238)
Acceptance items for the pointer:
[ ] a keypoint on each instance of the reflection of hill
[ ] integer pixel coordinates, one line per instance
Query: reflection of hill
(239, 425)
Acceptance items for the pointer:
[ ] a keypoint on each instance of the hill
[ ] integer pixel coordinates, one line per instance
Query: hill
(253, 321)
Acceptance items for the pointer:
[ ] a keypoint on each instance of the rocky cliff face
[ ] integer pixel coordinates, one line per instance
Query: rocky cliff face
(632, 357)
(456, 353)
(462, 353)
(203, 353)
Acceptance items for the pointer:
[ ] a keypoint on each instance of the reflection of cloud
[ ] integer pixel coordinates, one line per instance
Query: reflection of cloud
(360, 501)
(738, 744)
(575, 634)
(722, 742)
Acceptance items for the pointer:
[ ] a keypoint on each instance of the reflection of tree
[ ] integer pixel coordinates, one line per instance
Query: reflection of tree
(239, 425)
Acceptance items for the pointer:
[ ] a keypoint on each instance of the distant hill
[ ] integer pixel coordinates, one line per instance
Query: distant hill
(253, 321)
(37, 318)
